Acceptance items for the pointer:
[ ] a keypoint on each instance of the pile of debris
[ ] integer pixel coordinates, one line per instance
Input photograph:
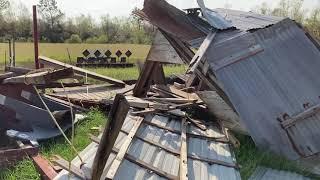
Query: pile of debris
(252, 74)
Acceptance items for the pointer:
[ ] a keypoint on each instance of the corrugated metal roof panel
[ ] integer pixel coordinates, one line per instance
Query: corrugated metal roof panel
(262, 173)
(162, 158)
(266, 86)
(214, 18)
(247, 20)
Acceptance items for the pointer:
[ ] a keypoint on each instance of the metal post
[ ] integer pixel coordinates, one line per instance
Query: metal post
(35, 37)
(10, 53)
(13, 52)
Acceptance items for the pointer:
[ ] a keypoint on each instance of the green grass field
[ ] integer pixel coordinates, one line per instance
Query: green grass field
(25, 54)
(248, 155)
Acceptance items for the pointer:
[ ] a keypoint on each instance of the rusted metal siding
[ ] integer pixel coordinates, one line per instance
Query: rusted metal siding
(273, 85)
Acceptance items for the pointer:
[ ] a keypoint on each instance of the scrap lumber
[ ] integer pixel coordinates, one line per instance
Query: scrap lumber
(80, 71)
(183, 151)
(6, 75)
(201, 52)
(9, 157)
(117, 115)
(46, 170)
(59, 161)
(18, 70)
(172, 100)
(41, 78)
(152, 73)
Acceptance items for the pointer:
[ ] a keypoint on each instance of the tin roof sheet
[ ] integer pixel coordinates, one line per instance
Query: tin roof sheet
(161, 158)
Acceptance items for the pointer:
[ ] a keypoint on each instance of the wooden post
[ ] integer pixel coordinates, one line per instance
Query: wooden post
(35, 38)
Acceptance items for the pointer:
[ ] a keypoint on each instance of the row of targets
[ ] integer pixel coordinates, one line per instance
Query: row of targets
(103, 57)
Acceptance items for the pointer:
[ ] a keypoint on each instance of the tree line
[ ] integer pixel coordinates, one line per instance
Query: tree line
(55, 27)
(309, 18)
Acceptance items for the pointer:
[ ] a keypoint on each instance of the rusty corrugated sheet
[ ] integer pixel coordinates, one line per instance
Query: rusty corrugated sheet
(271, 76)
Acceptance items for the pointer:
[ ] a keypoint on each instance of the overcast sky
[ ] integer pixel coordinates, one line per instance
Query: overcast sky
(96, 8)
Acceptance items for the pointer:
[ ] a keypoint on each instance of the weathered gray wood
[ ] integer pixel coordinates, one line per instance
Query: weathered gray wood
(201, 52)
(77, 70)
(117, 115)
(41, 78)
(70, 168)
(183, 171)
(302, 116)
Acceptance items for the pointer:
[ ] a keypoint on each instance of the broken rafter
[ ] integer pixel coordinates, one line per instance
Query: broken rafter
(183, 151)
(41, 78)
(80, 71)
(117, 115)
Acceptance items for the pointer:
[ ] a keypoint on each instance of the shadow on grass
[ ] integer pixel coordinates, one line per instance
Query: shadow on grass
(250, 157)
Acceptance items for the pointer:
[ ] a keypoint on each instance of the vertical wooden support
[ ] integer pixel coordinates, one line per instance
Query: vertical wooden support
(152, 72)
(35, 38)
(184, 151)
(117, 115)
(122, 152)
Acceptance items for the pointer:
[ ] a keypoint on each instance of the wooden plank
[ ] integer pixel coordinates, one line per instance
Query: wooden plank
(172, 100)
(233, 58)
(145, 79)
(117, 115)
(46, 170)
(83, 72)
(201, 52)
(40, 78)
(124, 148)
(302, 116)
(70, 168)
(183, 151)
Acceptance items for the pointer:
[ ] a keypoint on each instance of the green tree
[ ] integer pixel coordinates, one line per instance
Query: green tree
(75, 38)
(52, 16)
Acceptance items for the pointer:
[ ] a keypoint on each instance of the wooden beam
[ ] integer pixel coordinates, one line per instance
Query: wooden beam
(80, 71)
(46, 170)
(117, 115)
(41, 78)
(183, 151)
(201, 52)
(124, 148)
(70, 168)
(145, 78)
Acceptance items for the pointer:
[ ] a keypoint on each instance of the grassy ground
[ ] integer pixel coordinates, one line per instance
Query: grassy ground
(25, 56)
(248, 156)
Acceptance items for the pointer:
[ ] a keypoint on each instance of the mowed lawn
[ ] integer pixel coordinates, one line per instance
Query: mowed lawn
(59, 51)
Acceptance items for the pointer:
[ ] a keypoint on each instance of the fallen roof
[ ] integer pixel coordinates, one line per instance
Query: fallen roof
(157, 144)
